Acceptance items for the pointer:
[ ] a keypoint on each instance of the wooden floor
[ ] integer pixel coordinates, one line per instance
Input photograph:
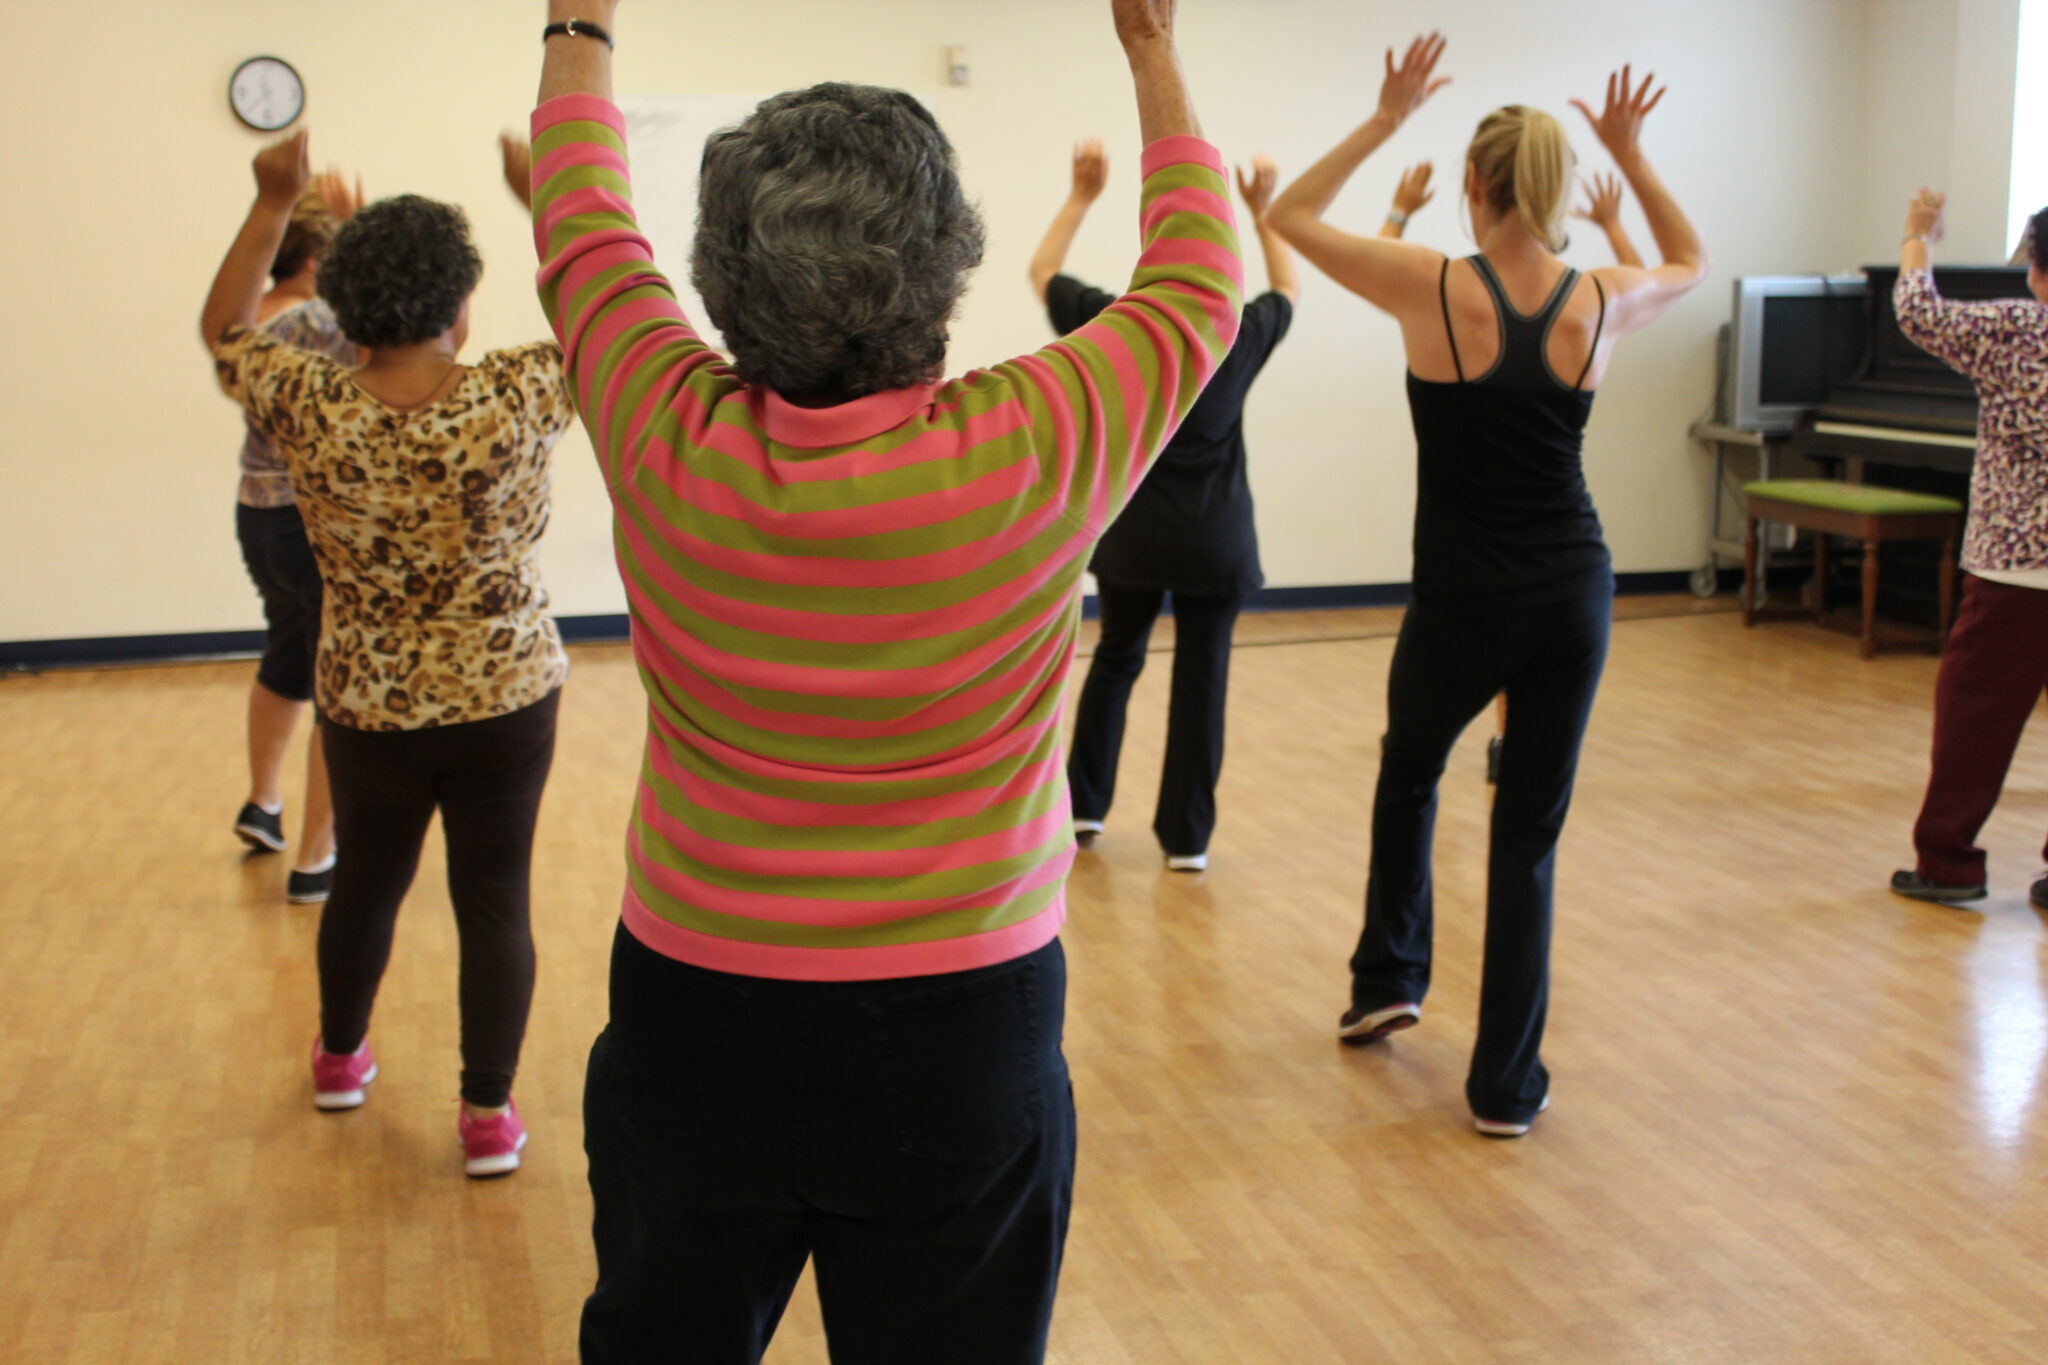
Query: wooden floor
(1795, 1120)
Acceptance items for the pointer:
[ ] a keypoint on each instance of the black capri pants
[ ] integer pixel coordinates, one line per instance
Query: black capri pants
(280, 560)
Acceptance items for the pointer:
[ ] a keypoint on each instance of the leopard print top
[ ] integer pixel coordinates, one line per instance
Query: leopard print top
(426, 524)
(2002, 345)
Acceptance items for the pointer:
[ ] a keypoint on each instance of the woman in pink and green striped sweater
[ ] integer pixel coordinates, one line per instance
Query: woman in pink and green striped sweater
(837, 989)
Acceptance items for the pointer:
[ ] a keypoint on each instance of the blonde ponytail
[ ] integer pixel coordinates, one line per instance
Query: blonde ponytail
(1525, 166)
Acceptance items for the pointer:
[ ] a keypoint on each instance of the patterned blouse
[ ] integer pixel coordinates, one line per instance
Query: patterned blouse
(311, 327)
(2002, 345)
(426, 523)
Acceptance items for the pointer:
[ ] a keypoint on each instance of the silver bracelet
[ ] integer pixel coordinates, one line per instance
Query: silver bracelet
(1397, 218)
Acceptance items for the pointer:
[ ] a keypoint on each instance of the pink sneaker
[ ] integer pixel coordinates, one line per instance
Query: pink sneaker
(491, 1146)
(338, 1081)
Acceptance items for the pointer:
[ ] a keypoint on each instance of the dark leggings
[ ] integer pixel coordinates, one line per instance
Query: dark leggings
(1186, 814)
(1446, 670)
(485, 777)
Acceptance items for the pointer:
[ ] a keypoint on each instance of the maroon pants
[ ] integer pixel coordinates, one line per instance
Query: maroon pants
(1992, 675)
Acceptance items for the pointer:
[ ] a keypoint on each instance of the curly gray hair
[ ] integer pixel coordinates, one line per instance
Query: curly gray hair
(833, 242)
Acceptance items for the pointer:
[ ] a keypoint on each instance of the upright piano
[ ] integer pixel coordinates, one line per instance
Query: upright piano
(1903, 409)
(1906, 420)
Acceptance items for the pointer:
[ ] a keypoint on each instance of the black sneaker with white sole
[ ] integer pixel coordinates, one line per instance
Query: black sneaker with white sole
(309, 888)
(1913, 886)
(2037, 894)
(261, 830)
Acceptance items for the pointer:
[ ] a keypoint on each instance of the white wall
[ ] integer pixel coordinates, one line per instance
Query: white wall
(125, 188)
(1938, 111)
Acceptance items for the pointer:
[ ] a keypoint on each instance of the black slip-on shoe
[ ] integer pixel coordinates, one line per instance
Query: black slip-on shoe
(1360, 1025)
(2037, 894)
(1913, 886)
(309, 888)
(260, 830)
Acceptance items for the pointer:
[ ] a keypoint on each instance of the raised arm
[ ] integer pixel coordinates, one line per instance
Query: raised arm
(1257, 191)
(1145, 27)
(1391, 274)
(1638, 295)
(578, 63)
(1410, 195)
(611, 308)
(1091, 172)
(516, 154)
(1100, 402)
(1962, 335)
(1603, 210)
(283, 170)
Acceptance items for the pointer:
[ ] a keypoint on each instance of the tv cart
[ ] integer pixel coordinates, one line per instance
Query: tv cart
(1721, 439)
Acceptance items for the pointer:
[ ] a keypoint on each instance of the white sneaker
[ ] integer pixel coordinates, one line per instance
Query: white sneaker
(1187, 862)
(1494, 1128)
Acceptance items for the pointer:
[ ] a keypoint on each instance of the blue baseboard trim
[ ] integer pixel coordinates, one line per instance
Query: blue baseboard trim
(33, 656)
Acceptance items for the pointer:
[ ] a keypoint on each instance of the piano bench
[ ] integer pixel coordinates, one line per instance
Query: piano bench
(1851, 511)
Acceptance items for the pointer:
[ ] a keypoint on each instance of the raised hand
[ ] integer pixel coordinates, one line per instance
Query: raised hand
(1259, 186)
(1410, 84)
(1603, 200)
(1144, 21)
(341, 200)
(518, 158)
(283, 170)
(1091, 170)
(1620, 123)
(1923, 214)
(1414, 191)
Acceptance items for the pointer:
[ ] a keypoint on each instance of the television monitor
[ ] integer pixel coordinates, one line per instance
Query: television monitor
(1792, 339)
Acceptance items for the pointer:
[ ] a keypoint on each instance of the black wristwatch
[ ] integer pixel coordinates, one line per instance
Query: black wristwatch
(576, 28)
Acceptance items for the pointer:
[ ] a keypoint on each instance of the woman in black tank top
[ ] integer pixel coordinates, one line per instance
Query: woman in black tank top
(1512, 583)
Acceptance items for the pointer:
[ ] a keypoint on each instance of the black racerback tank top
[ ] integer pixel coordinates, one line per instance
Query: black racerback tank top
(1503, 518)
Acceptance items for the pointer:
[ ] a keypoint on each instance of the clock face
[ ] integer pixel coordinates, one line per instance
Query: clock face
(266, 93)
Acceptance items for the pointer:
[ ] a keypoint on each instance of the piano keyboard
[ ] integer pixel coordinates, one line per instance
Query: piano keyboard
(1924, 438)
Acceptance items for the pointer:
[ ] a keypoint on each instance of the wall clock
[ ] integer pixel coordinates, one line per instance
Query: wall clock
(266, 93)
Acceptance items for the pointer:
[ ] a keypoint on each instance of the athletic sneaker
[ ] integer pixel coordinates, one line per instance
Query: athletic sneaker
(309, 888)
(1499, 1128)
(261, 830)
(491, 1146)
(338, 1081)
(1493, 761)
(1085, 832)
(1361, 1025)
(2038, 894)
(1913, 886)
(1187, 862)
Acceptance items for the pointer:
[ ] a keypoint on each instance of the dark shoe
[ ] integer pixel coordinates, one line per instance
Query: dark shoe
(1913, 886)
(1361, 1025)
(1187, 862)
(260, 830)
(2038, 894)
(309, 888)
(1493, 761)
(1085, 832)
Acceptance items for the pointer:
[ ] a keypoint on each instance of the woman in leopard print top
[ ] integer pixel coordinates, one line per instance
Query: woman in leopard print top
(424, 486)
(1995, 664)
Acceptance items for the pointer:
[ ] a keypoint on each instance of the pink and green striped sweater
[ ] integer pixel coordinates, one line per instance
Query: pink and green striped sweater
(854, 624)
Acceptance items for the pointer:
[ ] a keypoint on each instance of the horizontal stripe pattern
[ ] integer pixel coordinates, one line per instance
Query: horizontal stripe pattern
(854, 624)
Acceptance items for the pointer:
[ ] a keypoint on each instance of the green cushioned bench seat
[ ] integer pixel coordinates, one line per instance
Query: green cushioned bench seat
(1857, 514)
(1860, 499)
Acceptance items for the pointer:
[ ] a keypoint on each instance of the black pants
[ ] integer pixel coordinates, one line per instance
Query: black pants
(485, 777)
(1446, 669)
(914, 1136)
(1186, 814)
(281, 564)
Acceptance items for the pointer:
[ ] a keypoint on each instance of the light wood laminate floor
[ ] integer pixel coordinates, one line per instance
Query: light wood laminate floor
(1795, 1120)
